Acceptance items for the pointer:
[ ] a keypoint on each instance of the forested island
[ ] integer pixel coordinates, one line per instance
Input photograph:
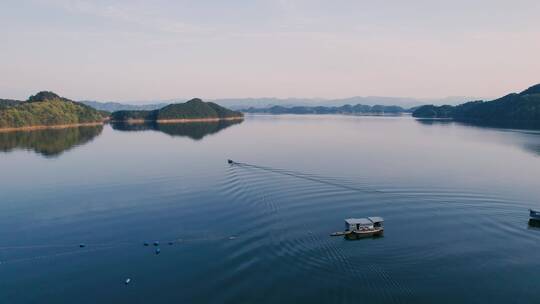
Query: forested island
(49, 110)
(358, 109)
(516, 107)
(193, 110)
(44, 110)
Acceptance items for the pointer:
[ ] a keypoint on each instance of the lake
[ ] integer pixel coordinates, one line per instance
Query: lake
(454, 197)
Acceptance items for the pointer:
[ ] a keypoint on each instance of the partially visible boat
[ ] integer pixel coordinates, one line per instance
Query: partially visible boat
(534, 215)
(534, 218)
(362, 227)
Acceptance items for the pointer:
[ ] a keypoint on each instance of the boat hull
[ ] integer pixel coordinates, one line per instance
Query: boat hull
(534, 223)
(354, 235)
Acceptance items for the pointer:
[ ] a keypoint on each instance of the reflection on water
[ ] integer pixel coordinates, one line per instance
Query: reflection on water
(48, 142)
(455, 200)
(194, 130)
(527, 134)
(486, 124)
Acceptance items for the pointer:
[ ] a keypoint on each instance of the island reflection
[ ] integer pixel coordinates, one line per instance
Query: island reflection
(524, 125)
(48, 142)
(529, 140)
(193, 130)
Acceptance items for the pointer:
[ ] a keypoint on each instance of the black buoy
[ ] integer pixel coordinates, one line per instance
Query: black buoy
(156, 243)
(81, 245)
(146, 244)
(170, 243)
(158, 250)
(230, 161)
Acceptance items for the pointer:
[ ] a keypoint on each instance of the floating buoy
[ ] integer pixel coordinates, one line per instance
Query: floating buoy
(230, 161)
(127, 281)
(232, 237)
(158, 250)
(170, 243)
(81, 245)
(156, 243)
(146, 244)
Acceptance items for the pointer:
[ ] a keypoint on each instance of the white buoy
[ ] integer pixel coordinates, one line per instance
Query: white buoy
(128, 280)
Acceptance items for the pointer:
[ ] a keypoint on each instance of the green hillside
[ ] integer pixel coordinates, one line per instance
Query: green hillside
(47, 109)
(193, 109)
(518, 107)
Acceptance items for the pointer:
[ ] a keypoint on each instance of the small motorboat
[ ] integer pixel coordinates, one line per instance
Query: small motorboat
(356, 228)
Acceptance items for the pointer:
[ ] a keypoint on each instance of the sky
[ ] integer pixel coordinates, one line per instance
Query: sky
(151, 50)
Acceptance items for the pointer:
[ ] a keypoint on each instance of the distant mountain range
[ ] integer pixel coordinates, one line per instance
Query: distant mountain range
(115, 106)
(514, 107)
(358, 109)
(405, 102)
(267, 102)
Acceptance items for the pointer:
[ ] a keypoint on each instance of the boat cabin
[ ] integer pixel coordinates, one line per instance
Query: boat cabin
(534, 214)
(356, 224)
(378, 222)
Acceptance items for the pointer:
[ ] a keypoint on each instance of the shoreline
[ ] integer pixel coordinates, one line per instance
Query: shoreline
(129, 121)
(180, 120)
(45, 127)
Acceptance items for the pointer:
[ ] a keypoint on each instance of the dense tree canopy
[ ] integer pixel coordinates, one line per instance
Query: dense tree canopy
(47, 109)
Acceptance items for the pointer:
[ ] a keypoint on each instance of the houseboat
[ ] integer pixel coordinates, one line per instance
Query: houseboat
(362, 227)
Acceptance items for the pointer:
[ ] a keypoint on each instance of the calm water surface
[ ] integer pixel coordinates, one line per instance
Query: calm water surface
(454, 198)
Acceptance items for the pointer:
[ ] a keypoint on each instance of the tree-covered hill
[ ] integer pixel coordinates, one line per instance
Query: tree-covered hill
(518, 107)
(47, 109)
(193, 109)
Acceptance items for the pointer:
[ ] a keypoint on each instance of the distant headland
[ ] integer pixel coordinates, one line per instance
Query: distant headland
(521, 107)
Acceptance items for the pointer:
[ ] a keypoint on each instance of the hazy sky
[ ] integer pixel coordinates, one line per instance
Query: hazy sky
(143, 50)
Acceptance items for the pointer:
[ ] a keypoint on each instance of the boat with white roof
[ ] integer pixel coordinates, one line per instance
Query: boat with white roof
(362, 227)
